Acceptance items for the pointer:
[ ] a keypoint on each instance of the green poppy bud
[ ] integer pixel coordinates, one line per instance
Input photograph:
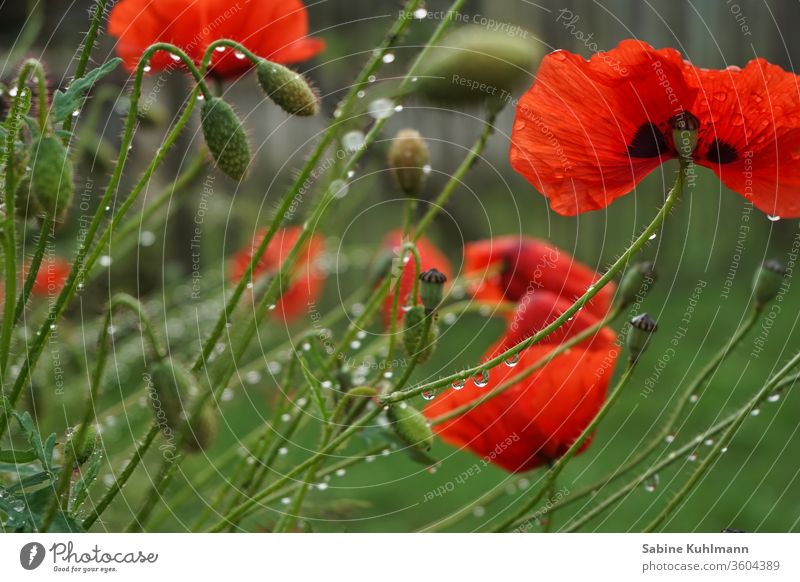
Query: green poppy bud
(172, 388)
(473, 64)
(225, 137)
(414, 326)
(26, 205)
(431, 289)
(684, 133)
(84, 450)
(408, 157)
(411, 426)
(51, 179)
(633, 280)
(642, 327)
(768, 280)
(288, 90)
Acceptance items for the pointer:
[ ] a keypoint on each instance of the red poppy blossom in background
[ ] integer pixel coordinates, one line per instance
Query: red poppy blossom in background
(307, 279)
(536, 420)
(50, 279)
(430, 258)
(273, 29)
(507, 267)
(588, 131)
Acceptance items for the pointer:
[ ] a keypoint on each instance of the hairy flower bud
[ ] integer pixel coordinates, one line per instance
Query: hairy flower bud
(408, 157)
(225, 137)
(642, 327)
(415, 344)
(633, 280)
(51, 178)
(431, 289)
(288, 90)
(411, 426)
(768, 281)
(473, 64)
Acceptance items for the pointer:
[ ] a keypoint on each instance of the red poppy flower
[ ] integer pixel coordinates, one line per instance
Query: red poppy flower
(50, 279)
(508, 267)
(536, 420)
(430, 258)
(307, 279)
(588, 131)
(273, 29)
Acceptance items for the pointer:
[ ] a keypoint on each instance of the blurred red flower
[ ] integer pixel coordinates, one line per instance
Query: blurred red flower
(273, 29)
(50, 279)
(430, 258)
(307, 279)
(588, 131)
(507, 267)
(537, 419)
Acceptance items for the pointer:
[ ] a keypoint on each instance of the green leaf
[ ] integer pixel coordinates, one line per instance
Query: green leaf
(12, 456)
(65, 102)
(88, 474)
(31, 481)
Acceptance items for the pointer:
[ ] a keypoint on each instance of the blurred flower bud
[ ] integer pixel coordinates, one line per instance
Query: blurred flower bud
(288, 90)
(411, 426)
(768, 281)
(473, 64)
(225, 137)
(51, 178)
(431, 289)
(633, 280)
(684, 133)
(642, 327)
(408, 157)
(415, 344)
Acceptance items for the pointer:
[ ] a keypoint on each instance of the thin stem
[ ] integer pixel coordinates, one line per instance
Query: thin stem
(723, 442)
(45, 232)
(130, 467)
(539, 364)
(570, 312)
(420, 348)
(562, 462)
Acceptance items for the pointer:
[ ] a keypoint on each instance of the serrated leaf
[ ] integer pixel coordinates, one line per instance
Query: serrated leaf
(65, 102)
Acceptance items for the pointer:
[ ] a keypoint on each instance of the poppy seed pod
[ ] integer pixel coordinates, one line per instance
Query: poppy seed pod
(642, 327)
(633, 280)
(408, 156)
(411, 426)
(51, 177)
(473, 64)
(768, 281)
(684, 133)
(84, 450)
(225, 137)
(431, 289)
(413, 341)
(288, 90)
(204, 431)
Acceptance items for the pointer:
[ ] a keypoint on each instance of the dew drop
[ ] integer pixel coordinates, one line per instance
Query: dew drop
(388, 58)
(220, 49)
(512, 361)
(458, 384)
(652, 236)
(709, 442)
(669, 438)
(421, 13)
(286, 417)
(105, 261)
(339, 189)
(381, 108)
(253, 377)
(693, 398)
(773, 217)
(353, 140)
(429, 394)
(340, 472)
(651, 483)
(692, 457)
(76, 113)
(239, 55)
(773, 397)
(147, 238)
(371, 78)
(755, 412)
(481, 379)
(283, 451)
(147, 68)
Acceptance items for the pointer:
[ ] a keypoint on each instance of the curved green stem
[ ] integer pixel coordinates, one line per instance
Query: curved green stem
(35, 264)
(420, 348)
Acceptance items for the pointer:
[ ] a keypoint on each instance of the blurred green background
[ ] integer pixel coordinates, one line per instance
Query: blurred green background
(754, 487)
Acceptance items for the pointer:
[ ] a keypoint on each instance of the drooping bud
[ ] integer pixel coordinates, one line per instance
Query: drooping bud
(84, 450)
(415, 344)
(684, 133)
(411, 426)
(473, 64)
(633, 281)
(288, 90)
(26, 205)
(51, 179)
(431, 289)
(408, 157)
(225, 137)
(768, 281)
(642, 327)
(172, 387)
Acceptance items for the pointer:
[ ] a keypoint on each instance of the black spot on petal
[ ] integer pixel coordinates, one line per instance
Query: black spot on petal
(647, 142)
(720, 152)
